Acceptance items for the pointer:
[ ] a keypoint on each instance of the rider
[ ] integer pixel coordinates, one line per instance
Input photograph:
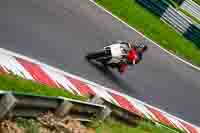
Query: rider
(134, 55)
(120, 54)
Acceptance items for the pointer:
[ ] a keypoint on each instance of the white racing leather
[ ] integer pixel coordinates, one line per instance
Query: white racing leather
(117, 52)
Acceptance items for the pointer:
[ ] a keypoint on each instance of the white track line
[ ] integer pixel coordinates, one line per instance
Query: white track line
(175, 56)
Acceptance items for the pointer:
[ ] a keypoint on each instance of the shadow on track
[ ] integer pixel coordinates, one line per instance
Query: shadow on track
(122, 84)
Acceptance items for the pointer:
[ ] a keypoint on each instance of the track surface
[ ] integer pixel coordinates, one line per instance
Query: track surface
(60, 32)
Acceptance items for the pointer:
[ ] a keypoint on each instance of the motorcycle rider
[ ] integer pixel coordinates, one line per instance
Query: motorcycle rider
(120, 54)
(134, 56)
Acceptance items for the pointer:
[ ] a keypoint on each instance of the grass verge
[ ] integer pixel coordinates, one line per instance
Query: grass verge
(113, 126)
(151, 26)
(109, 126)
(17, 84)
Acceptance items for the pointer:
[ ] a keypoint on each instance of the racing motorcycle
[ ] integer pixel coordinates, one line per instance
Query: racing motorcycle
(113, 54)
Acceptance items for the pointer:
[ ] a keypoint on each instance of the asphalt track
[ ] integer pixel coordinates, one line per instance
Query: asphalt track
(60, 32)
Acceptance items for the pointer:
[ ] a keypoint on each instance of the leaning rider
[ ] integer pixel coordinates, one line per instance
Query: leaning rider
(134, 56)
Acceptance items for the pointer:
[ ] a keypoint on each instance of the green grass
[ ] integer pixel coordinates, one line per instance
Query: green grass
(113, 126)
(17, 84)
(150, 25)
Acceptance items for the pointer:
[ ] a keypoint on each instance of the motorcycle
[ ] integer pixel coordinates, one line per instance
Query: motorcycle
(112, 55)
